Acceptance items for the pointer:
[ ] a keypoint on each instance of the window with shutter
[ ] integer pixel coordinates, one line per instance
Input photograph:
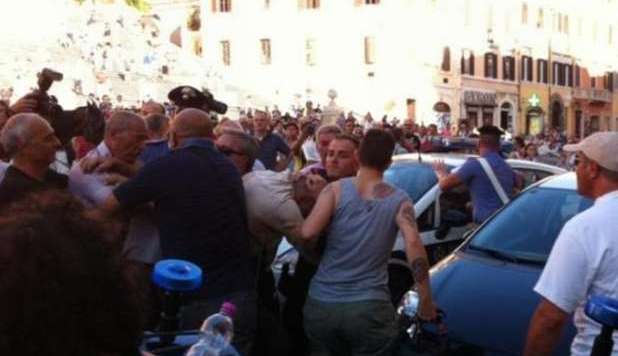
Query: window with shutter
(265, 51)
(370, 50)
(524, 14)
(467, 62)
(225, 5)
(446, 59)
(225, 53)
(526, 68)
(508, 68)
(491, 65)
(310, 52)
(541, 71)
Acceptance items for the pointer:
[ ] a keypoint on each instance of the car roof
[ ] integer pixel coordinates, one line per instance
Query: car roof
(562, 181)
(457, 159)
(450, 159)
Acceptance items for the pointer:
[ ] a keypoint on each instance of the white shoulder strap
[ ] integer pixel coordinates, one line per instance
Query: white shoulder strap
(494, 181)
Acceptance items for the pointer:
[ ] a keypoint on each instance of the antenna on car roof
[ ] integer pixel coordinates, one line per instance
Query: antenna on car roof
(417, 145)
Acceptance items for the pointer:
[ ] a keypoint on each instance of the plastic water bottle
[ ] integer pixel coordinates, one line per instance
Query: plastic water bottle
(216, 332)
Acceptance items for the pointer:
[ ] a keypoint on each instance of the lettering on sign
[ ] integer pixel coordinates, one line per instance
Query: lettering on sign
(479, 98)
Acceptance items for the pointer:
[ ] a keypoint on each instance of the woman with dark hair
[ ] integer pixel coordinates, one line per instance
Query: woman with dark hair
(532, 152)
(519, 148)
(63, 289)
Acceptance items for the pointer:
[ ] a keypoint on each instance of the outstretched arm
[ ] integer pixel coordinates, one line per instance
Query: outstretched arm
(446, 181)
(321, 214)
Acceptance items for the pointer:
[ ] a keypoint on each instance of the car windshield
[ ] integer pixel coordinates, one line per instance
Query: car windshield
(526, 229)
(414, 178)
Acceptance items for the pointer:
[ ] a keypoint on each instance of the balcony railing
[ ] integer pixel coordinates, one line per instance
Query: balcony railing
(580, 93)
(601, 95)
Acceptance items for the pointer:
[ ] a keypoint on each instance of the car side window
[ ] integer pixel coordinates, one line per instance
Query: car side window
(531, 176)
(456, 206)
(426, 220)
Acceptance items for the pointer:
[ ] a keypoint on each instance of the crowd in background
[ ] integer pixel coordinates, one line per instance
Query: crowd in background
(171, 181)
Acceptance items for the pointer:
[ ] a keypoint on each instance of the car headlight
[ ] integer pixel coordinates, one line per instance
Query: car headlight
(408, 306)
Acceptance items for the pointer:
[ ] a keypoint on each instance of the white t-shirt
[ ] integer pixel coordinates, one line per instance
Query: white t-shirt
(582, 263)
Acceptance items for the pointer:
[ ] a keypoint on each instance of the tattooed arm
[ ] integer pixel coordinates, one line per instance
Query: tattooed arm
(415, 252)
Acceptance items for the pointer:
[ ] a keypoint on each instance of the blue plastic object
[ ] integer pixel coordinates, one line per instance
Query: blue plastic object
(603, 310)
(177, 275)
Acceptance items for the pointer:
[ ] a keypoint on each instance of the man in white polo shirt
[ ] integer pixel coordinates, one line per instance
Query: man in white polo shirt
(584, 259)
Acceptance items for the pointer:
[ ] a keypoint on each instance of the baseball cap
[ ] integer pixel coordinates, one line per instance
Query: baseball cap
(601, 147)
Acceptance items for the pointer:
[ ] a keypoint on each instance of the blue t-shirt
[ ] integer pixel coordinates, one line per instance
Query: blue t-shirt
(153, 150)
(200, 212)
(485, 199)
(270, 145)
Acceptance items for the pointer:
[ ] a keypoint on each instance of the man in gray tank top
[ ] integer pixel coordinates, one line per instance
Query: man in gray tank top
(348, 311)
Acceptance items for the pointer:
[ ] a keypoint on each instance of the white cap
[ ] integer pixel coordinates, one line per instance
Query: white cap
(601, 147)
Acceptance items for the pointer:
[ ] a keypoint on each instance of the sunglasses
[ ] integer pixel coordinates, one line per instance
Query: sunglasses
(228, 151)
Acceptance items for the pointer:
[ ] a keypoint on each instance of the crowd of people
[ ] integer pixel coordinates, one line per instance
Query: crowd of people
(131, 187)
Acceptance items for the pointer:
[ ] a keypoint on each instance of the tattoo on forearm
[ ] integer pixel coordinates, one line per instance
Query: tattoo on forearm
(408, 213)
(420, 270)
(382, 190)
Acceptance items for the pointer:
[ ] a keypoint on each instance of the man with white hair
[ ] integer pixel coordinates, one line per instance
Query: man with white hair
(30, 142)
(125, 134)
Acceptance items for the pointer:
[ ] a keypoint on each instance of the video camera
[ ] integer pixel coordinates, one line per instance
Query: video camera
(47, 106)
(66, 123)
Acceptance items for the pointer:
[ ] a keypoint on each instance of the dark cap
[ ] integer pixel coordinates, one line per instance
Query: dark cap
(187, 97)
(290, 123)
(491, 130)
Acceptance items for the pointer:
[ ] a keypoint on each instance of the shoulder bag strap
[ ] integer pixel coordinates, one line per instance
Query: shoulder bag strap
(494, 180)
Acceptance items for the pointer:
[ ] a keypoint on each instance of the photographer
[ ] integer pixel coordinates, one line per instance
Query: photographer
(65, 124)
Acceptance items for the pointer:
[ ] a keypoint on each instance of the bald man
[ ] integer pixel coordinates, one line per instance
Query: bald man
(200, 205)
(30, 142)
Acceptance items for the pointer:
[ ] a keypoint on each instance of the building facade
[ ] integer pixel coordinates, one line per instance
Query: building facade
(523, 65)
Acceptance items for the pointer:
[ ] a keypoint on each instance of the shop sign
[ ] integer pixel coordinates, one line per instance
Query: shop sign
(479, 98)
